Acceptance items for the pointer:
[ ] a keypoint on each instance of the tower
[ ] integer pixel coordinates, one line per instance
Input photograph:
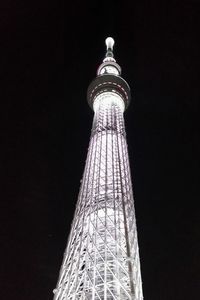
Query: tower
(101, 261)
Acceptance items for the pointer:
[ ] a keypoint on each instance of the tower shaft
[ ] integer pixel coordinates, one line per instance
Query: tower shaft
(101, 261)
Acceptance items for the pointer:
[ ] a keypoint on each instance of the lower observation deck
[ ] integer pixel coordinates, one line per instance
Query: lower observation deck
(108, 83)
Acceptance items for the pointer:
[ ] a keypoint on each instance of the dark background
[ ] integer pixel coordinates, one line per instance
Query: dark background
(49, 54)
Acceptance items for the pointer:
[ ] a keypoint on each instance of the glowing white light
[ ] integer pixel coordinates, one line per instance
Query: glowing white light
(107, 99)
(110, 43)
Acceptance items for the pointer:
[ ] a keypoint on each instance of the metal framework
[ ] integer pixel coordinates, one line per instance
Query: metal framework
(101, 261)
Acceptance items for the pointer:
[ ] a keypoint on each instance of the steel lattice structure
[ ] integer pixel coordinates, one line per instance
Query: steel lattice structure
(101, 261)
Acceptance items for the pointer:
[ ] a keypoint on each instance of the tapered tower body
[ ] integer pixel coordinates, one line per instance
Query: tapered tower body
(101, 261)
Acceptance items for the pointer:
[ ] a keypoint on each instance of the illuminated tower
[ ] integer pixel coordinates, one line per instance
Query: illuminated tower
(101, 261)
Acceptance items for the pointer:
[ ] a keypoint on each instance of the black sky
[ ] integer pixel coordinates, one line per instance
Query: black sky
(49, 54)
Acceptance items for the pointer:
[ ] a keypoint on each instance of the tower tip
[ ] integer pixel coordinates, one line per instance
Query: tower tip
(109, 43)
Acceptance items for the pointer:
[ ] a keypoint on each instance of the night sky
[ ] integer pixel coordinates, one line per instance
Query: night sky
(49, 54)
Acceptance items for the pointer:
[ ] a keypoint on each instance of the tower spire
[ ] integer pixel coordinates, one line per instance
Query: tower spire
(109, 65)
(109, 47)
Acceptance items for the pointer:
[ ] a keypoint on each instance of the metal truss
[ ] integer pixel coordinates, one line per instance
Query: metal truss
(101, 261)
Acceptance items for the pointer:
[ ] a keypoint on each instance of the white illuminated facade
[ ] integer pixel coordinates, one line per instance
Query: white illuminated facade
(101, 261)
